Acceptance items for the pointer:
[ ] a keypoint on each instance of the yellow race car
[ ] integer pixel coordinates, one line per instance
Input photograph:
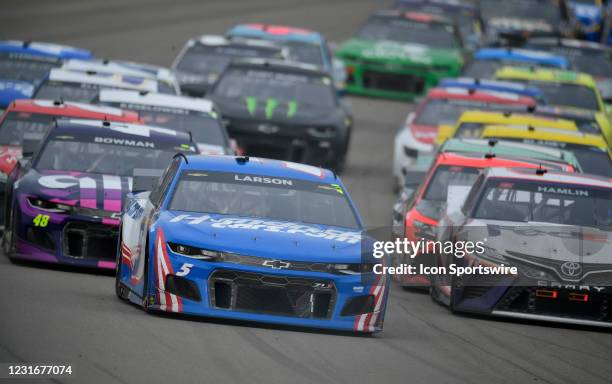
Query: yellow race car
(592, 151)
(564, 89)
(471, 123)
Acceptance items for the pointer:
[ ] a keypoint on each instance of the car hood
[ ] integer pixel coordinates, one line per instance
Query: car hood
(276, 111)
(544, 243)
(394, 52)
(12, 90)
(77, 189)
(263, 237)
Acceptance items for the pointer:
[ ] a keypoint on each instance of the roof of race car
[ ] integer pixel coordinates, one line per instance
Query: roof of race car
(275, 32)
(514, 118)
(541, 74)
(156, 99)
(104, 79)
(569, 43)
(45, 49)
(524, 55)
(564, 112)
(508, 148)
(479, 95)
(471, 81)
(492, 85)
(441, 3)
(107, 66)
(71, 109)
(259, 166)
(217, 40)
(158, 70)
(279, 64)
(549, 177)
(479, 160)
(142, 132)
(419, 17)
(544, 134)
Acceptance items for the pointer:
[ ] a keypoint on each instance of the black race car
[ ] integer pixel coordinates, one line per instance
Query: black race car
(285, 111)
(204, 58)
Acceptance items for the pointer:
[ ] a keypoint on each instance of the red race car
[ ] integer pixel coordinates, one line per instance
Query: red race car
(32, 118)
(417, 212)
(443, 106)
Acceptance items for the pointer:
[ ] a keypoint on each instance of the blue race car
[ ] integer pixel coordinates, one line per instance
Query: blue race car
(305, 46)
(487, 60)
(24, 64)
(249, 239)
(477, 84)
(64, 205)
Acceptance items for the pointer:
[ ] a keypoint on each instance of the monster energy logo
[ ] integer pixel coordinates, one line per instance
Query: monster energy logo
(270, 106)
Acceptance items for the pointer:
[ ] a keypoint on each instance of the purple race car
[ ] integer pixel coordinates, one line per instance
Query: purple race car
(64, 199)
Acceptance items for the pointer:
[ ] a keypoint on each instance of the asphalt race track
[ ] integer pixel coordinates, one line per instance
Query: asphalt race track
(49, 315)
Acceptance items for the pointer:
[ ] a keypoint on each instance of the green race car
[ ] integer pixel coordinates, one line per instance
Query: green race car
(401, 54)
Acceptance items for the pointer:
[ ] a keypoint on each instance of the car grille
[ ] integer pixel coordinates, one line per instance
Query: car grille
(272, 294)
(393, 82)
(286, 265)
(524, 300)
(90, 240)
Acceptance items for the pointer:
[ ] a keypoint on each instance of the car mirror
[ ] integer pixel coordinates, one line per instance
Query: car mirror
(145, 179)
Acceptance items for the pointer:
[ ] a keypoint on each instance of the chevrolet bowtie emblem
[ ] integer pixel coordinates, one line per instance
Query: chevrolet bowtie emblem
(276, 264)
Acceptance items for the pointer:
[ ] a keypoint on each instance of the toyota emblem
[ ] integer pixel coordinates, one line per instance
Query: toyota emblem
(571, 268)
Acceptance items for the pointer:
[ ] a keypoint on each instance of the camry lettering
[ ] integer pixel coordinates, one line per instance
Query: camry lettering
(263, 180)
(131, 143)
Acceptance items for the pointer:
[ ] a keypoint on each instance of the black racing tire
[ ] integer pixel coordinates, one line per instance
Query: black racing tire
(145, 287)
(121, 290)
(8, 241)
(451, 300)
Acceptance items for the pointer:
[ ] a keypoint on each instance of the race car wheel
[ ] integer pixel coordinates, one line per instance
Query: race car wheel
(455, 284)
(145, 289)
(8, 243)
(120, 290)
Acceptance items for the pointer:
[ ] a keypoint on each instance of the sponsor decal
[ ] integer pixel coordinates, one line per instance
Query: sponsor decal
(564, 191)
(271, 105)
(154, 108)
(251, 104)
(126, 142)
(349, 237)
(262, 180)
